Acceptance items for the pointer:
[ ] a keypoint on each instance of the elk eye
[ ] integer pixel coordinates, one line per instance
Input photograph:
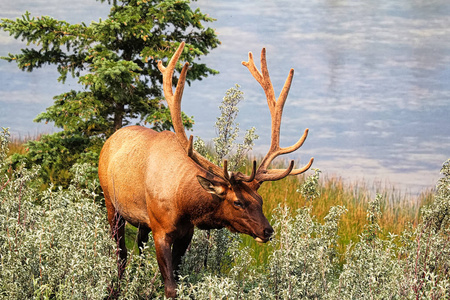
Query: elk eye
(238, 204)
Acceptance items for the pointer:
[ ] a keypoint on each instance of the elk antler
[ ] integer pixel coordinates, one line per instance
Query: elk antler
(239, 176)
(174, 100)
(276, 111)
(174, 103)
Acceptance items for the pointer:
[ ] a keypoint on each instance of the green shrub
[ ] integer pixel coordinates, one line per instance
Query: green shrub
(56, 154)
(304, 263)
(426, 248)
(59, 248)
(56, 245)
(371, 269)
(414, 266)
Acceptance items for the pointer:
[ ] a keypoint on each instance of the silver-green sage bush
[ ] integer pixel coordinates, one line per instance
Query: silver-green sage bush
(426, 249)
(227, 130)
(55, 244)
(304, 263)
(210, 249)
(372, 269)
(415, 265)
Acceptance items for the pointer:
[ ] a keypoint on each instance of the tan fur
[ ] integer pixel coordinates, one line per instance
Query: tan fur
(149, 181)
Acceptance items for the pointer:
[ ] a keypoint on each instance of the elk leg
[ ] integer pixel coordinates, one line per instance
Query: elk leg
(117, 225)
(179, 249)
(164, 256)
(142, 238)
(119, 234)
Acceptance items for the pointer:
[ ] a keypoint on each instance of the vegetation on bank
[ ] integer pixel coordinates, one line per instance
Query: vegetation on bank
(399, 211)
(55, 244)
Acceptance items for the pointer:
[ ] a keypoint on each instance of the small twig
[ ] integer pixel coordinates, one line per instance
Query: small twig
(6, 183)
(20, 202)
(153, 281)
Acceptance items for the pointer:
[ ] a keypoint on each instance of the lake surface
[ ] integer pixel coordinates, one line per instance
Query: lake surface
(372, 81)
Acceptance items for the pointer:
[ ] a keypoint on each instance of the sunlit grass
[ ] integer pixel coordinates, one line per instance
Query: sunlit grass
(398, 210)
(17, 144)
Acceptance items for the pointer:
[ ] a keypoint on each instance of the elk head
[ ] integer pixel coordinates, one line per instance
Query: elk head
(241, 206)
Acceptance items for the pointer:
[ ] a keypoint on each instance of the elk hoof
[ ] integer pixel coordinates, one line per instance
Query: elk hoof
(171, 293)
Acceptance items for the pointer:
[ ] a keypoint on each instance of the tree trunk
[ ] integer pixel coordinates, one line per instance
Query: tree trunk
(118, 116)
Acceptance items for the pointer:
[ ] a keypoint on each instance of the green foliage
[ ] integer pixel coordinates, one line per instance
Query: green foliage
(371, 268)
(227, 129)
(304, 263)
(57, 249)
(416, 266)
(60, 248)
(437, 214)
(4, 136)
(224, 146)
(214, 246)
(209, 253)
(309, 189)
(426, 248)
(142, 279)
(115, 61)
(56, 154)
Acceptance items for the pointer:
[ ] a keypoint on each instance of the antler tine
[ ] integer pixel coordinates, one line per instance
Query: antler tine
(263, 78)
(276, 150)
(225, 170)
(190, 148)
(174, 100)
(276, 110)
(277, 174)
(268, 175)
(246, 178)
(206, 164)
(304, 169)
(174, 103)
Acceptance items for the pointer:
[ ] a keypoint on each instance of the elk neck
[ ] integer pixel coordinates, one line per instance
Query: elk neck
(200, 207)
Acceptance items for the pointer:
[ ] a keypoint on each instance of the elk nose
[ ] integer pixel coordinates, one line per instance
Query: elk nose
(268, 232)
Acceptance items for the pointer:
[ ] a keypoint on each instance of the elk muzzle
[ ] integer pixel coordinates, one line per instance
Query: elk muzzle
(266, 235)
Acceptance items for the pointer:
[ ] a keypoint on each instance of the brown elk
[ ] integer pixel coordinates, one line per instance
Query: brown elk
(157, 182)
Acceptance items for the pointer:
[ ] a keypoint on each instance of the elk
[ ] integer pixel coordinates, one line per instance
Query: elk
(158, 183)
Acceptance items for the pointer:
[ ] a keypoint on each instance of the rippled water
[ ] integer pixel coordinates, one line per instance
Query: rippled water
(372, 82)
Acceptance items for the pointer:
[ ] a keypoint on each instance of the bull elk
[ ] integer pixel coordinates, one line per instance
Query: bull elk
(156, 182)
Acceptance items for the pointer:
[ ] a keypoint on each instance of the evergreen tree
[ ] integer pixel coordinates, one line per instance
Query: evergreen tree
(115, 61)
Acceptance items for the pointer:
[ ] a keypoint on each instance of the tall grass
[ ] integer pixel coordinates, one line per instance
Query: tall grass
(17, 144)
(399, 210)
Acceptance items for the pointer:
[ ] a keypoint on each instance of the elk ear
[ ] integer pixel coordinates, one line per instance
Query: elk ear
(212, 187)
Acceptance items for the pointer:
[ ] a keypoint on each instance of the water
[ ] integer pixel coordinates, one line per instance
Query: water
(372, 82)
